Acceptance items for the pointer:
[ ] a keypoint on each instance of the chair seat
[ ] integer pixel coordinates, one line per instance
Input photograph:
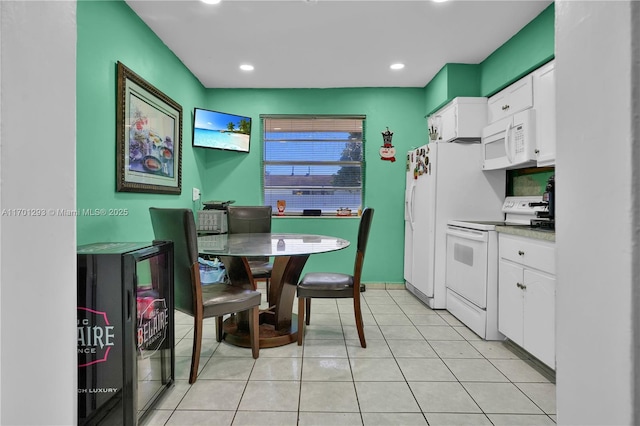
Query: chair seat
(220, 299)
(326, 284)
(260, 269)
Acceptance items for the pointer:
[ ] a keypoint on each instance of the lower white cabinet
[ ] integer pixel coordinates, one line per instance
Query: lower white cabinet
(526, 295)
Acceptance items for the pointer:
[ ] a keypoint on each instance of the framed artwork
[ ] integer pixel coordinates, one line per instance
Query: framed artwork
(149, 137)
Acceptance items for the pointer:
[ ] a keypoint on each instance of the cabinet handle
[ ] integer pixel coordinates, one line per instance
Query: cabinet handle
(505, 107)
(522, 286)
(537, 151)
(518, 285)
(520, 252)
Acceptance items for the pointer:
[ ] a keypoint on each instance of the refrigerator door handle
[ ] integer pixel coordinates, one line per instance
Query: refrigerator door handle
(411, 203)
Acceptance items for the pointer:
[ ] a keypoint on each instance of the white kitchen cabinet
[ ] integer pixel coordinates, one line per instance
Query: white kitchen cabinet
(510, 100)
(526, 295)
(544, 103)
(539, 316)
(462, 118)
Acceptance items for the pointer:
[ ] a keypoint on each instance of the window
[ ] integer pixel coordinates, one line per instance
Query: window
(313, 162)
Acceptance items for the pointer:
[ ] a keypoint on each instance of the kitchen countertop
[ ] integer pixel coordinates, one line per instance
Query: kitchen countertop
(529, 232)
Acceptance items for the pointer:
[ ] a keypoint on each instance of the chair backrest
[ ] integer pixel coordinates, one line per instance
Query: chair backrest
(363, 238)
(178, 225)
(249, 219)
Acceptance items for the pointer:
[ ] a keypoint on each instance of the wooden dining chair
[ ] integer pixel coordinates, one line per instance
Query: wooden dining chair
(253, 219)
(190, 296)
(330, 285)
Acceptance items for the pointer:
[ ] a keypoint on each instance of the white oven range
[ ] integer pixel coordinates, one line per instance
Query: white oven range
(472, 266)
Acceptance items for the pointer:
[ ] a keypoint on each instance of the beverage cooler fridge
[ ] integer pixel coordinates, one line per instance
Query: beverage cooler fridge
(125, 330)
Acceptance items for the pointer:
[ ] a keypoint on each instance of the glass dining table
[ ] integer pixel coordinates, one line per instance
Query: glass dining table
(290, 252)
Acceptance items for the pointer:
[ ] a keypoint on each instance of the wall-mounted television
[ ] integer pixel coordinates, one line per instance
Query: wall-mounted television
(219, 130)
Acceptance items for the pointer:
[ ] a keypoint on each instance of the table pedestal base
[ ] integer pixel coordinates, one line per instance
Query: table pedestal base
(270, 337)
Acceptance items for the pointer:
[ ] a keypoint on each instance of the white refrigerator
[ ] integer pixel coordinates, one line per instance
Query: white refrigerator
(445, 181)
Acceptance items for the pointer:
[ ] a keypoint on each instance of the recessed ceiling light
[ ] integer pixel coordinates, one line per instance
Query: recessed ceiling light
(246, 67)
(210, 1)
(439, 1)
(397, 66)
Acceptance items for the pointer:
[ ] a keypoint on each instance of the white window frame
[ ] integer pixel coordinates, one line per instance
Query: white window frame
(305, 192)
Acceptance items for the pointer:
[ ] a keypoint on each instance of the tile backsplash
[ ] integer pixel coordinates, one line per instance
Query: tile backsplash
(530, 181)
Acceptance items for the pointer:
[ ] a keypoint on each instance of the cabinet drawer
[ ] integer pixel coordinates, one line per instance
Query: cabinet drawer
(532, 253)
(514, 98)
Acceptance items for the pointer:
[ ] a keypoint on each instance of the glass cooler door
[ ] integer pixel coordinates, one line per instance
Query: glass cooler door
(154, 337)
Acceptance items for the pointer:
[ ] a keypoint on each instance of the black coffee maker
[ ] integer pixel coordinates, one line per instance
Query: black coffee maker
(546, 218)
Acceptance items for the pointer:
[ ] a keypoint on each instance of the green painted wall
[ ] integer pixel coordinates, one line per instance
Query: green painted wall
(109, 31)
(464, 80)
(530, 48)
(451, 81)
(236, 176)
(436, 92)
(227, 175)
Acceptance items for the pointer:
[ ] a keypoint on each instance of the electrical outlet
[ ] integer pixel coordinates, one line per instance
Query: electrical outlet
(196, 194)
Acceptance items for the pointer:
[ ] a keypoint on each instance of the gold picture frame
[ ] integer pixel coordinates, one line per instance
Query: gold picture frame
(149, 137)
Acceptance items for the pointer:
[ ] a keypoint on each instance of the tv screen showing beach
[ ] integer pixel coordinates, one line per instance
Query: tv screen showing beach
(219, 130)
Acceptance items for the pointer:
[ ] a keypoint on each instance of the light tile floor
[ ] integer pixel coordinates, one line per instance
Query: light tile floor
(420, 367)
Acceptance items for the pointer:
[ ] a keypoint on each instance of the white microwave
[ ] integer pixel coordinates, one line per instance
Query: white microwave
(510, 143)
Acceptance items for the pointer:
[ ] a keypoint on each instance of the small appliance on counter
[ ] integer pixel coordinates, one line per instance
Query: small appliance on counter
(212, 219)
(545, 219)
(217, 205)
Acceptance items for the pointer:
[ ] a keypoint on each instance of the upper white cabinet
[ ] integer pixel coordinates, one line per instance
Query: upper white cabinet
(536, 90)
(544, 103)
(462, 118)
(514, 98)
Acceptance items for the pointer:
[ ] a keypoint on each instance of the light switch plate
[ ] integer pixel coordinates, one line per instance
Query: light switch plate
(196, 194)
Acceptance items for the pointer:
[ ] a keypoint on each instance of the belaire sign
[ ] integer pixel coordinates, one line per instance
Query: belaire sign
(95, 337)
(153, 324)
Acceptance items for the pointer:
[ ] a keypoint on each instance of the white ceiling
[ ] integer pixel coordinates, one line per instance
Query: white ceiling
(331, 43)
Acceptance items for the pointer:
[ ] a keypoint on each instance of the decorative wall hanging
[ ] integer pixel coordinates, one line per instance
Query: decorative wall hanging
(149, 137)
(387, 151)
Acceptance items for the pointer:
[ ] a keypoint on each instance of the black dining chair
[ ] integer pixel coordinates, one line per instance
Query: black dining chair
(190, 296)
(331, 285)
(253, 219)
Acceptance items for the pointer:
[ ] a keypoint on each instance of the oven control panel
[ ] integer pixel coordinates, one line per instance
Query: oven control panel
(522, 208)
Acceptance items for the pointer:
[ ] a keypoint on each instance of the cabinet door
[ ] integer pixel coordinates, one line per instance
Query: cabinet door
(449, 123)
(514, 98)
(544, 101)
(510, 301)
(539, 316)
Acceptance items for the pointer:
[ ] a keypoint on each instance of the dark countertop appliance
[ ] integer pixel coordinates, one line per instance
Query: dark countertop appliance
(217, 205)
(546, 218)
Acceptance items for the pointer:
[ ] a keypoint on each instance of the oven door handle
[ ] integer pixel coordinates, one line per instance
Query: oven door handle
(468, 234)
